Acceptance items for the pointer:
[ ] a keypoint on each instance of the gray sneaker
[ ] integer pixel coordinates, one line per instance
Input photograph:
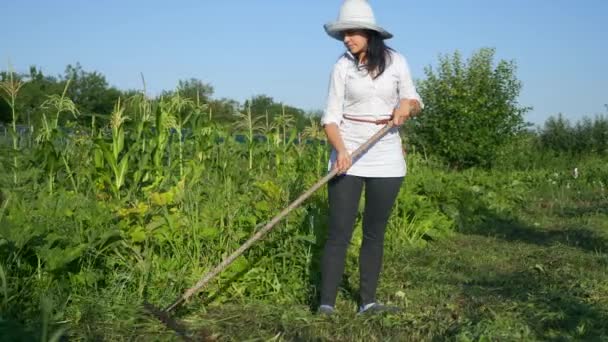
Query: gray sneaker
(376, 308)
(325, 310)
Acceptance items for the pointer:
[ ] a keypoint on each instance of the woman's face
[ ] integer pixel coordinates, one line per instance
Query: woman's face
(355, 41)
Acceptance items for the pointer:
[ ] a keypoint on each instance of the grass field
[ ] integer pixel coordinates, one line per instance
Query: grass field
(96, 221)
(538, 276)
(533, 271)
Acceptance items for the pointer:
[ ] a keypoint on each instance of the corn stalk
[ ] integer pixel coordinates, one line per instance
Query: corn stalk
(49, 135)
(250, 125)
(113, 153)
(11, 88)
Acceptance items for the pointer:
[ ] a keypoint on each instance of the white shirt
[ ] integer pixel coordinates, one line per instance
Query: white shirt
(353, 92)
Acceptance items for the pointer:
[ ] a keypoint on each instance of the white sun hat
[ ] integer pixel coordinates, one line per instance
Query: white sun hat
(355, 14)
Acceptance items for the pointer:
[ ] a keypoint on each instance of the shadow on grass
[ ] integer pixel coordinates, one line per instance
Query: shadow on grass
(510, 229)
(599, 207)
(11, 330)
(551, 308)
(14, 331)
(554, 304)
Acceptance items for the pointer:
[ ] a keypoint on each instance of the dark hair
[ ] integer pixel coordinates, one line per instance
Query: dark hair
(377, 54)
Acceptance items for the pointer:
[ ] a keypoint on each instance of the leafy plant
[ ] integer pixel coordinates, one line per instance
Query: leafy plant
(471, 109)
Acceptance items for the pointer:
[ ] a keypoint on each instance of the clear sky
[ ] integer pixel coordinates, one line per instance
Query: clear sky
(279, 48)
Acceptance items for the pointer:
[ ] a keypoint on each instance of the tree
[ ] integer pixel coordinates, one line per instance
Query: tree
(223, 110)
(471, 109)
(90, 91)
(586, 136)
(599, 134)
(192, 89)
(262, 104)
(195, 90)
(35, 90)
(557, 134)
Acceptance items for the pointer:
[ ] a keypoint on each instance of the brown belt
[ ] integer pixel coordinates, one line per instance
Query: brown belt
(377, 122)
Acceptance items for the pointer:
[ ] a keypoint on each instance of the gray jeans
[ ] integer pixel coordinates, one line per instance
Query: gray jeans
(344, 196)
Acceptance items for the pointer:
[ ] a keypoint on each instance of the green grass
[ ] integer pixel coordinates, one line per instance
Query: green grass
(537, 274)
(98, 223)
(527, 262)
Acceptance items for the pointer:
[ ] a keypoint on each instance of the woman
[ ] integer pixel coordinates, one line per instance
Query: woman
(370, 85)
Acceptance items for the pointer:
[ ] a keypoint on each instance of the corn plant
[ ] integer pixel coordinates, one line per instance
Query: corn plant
(315, 132)
(169, 118)
(11, 87)
(267, 130)
(51, 139)
(251, 125)
(113, 153)
(143, 119)
(140, 110)
(284, 121)
(184, 109)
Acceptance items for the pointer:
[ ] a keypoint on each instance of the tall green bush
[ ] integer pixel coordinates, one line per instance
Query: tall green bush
(471, 109)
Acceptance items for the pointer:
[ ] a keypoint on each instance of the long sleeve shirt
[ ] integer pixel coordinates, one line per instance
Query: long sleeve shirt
(353, 92)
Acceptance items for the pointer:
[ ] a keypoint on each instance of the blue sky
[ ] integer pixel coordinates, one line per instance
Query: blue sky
(278, 47)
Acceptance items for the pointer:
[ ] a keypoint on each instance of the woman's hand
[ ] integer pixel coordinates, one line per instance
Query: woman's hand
(343, 161)
(405, 110)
